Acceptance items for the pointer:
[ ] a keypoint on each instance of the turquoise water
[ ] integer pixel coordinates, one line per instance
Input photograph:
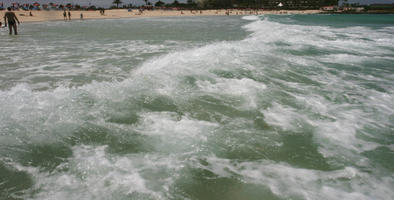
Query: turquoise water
(253, 107)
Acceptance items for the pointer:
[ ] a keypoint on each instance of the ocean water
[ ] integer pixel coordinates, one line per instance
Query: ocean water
(253, 107)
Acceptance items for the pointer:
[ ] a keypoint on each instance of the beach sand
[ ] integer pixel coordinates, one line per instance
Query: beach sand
(39, 16)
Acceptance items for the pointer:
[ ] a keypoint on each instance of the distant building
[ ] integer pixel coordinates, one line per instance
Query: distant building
(329, 8)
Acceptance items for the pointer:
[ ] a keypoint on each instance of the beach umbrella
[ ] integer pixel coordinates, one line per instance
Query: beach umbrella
(36, 4)
(280, 4)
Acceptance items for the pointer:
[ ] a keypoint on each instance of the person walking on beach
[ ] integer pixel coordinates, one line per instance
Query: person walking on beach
(11, 19)
(65, 15)
(81, 16)
(69, 15)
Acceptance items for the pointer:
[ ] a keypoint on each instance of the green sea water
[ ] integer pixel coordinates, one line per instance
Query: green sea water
(208, 108)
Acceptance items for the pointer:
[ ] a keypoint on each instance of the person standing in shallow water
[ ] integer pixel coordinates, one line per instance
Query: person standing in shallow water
(11, 19)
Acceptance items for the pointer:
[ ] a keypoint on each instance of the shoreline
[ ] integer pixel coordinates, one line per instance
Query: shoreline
(57, 15)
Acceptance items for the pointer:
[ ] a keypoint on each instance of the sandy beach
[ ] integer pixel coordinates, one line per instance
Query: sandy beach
(39, 16)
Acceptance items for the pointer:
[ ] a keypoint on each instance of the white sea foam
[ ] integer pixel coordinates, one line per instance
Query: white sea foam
(251, 18)
(93, 174)
(163, 75)
(179, 133)
(323, 99)
(242, 88)
(281, 116)
(288, 182)
(348, 119)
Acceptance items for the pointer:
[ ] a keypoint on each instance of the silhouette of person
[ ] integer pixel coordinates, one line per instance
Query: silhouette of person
(65, 15)
(69, 15)
(11, 19)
